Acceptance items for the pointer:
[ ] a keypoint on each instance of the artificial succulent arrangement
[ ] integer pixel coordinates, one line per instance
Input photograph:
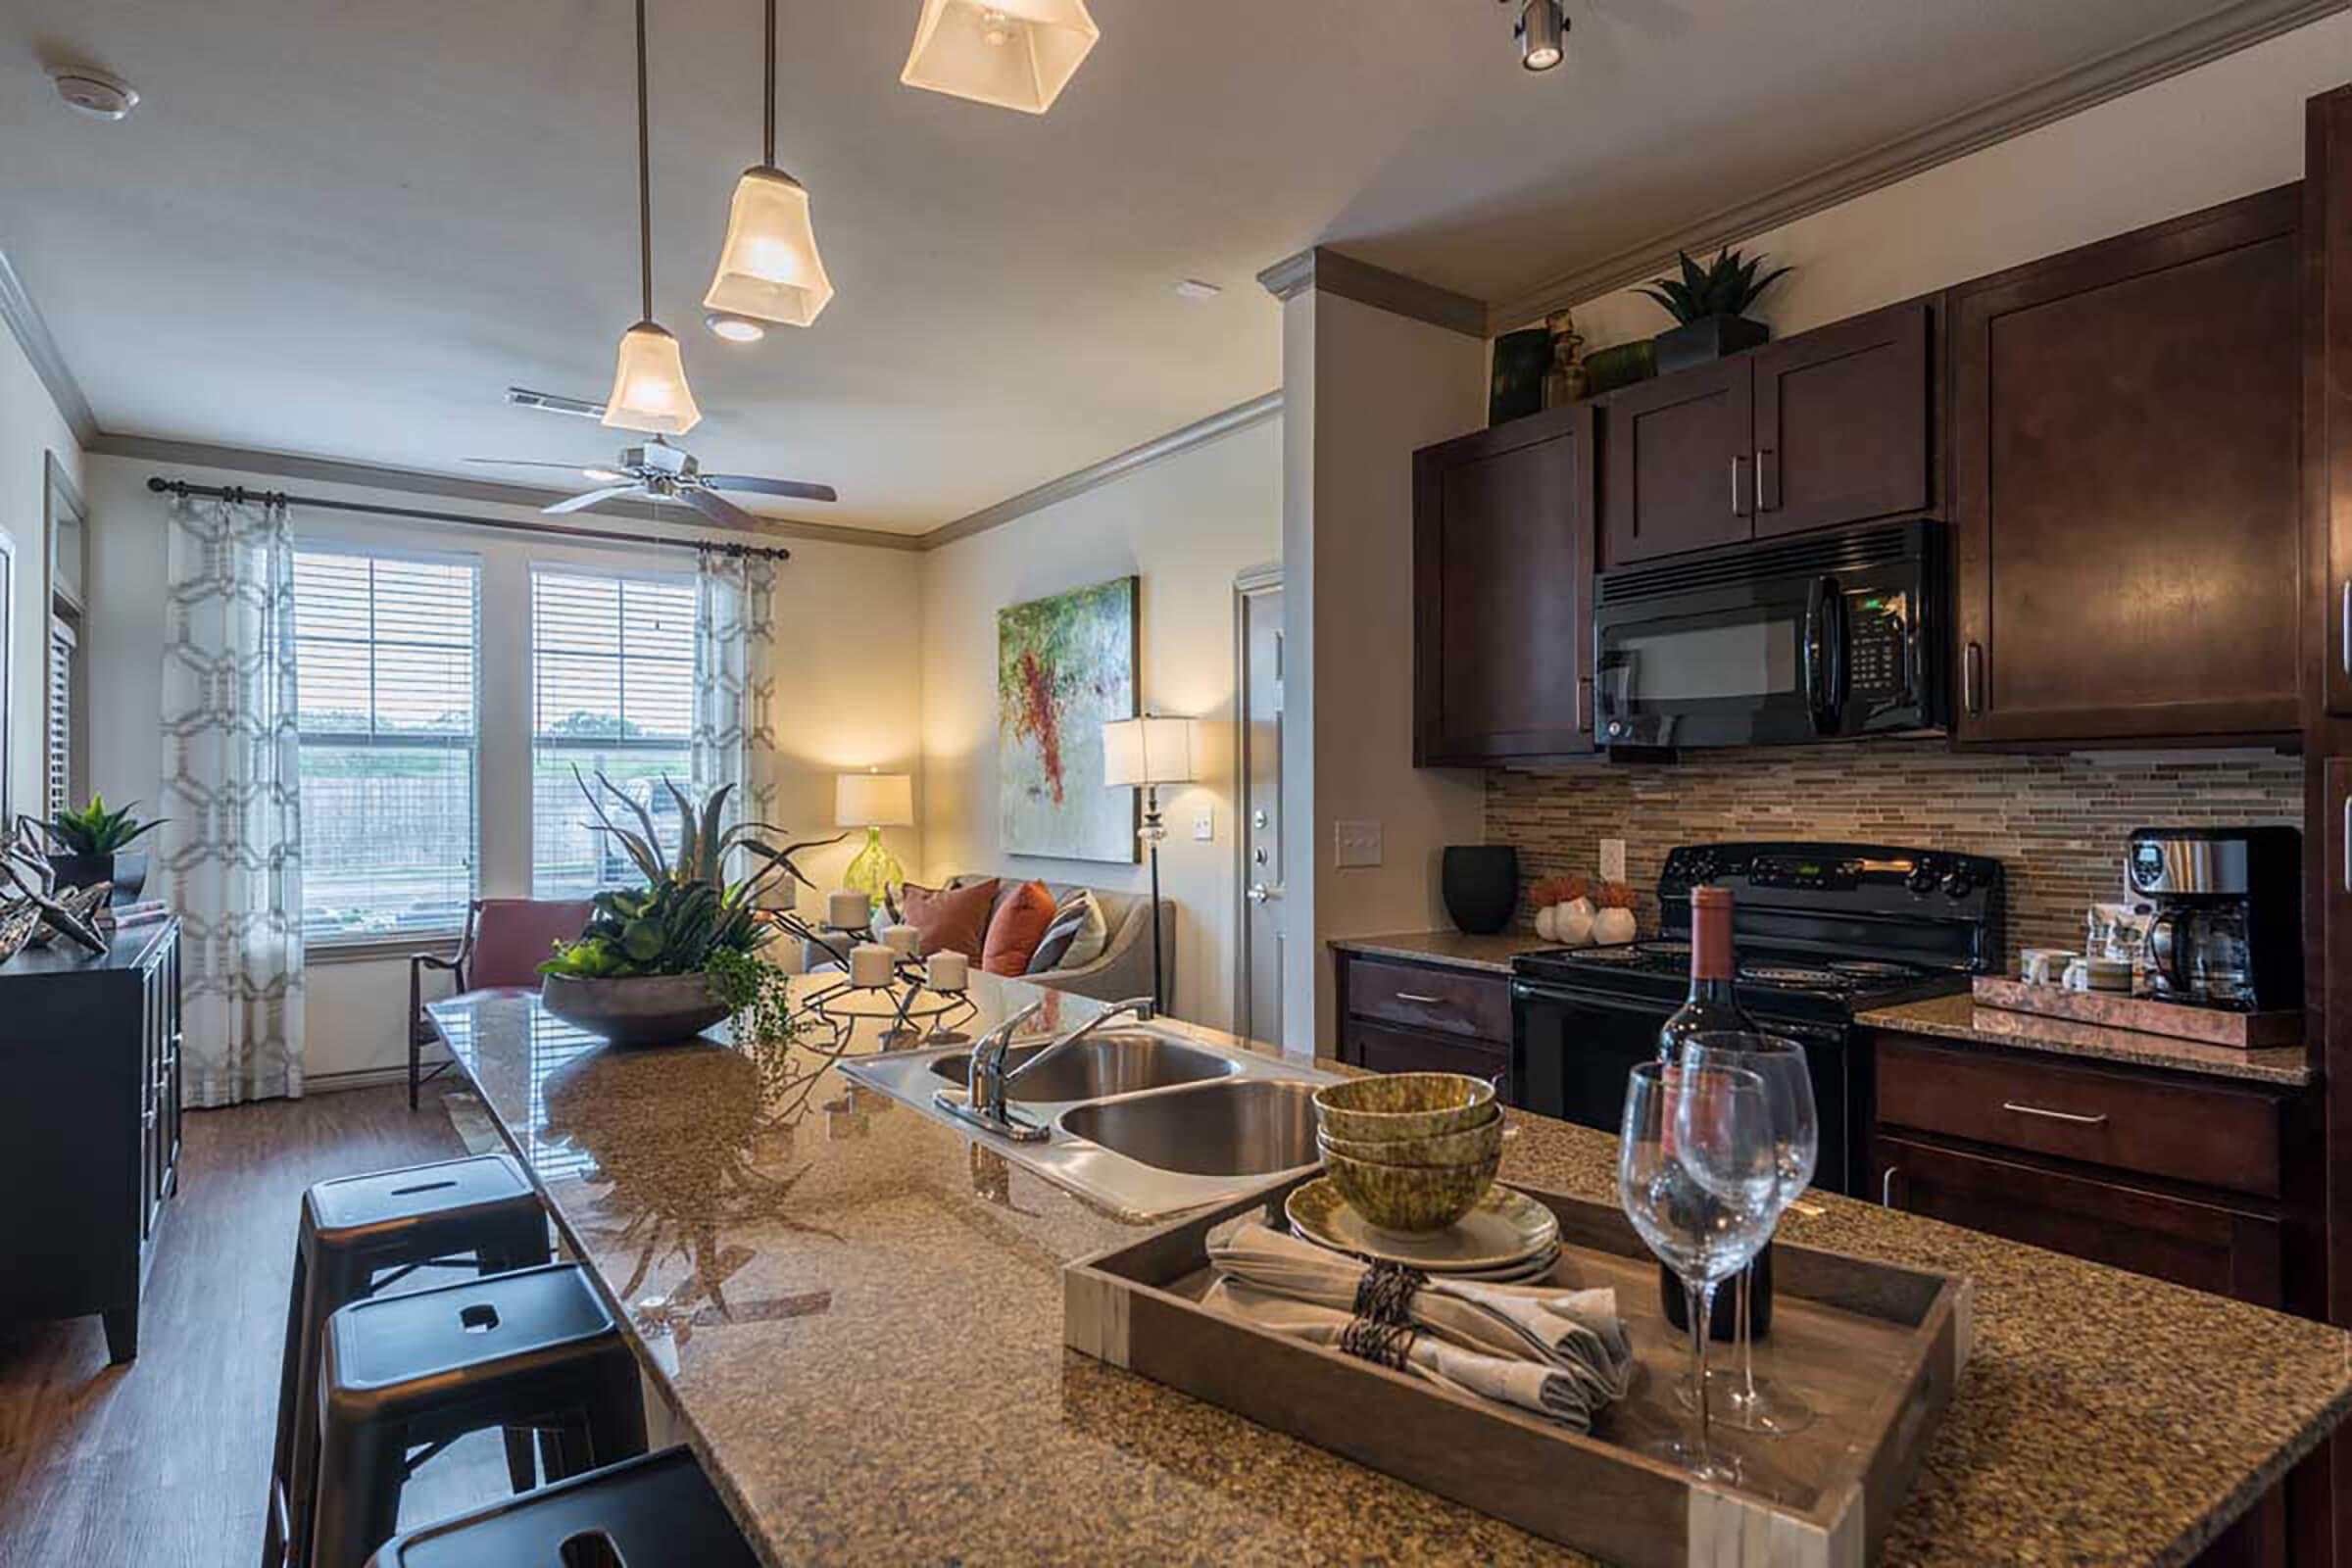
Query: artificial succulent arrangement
(95, 830)
(1725, 286)
(689, 917)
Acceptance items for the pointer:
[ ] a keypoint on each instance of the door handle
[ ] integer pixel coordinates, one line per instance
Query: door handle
(1768, 480)
(1972, 677)
(1424, 1001)
(1887, 1187)
(1738, 491)
(2349, 841)
(1259, 893)
(2343, 622)
(2075, 1117)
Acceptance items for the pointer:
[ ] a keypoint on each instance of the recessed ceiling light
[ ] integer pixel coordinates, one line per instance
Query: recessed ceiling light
(94, 92)
(734, 329)
(1193, 288)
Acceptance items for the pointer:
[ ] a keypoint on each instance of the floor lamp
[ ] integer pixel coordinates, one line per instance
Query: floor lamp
(1149, 752)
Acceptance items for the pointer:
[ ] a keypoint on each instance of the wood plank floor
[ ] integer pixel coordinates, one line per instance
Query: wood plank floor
(164, 1461)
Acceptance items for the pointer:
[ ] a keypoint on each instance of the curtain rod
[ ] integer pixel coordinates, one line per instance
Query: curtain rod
(238, 495)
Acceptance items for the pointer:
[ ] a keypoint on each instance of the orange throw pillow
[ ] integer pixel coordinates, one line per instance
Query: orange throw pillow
(1018, 926)
(949, 919)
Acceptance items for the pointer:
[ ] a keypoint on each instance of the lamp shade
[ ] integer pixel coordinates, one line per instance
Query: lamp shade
(873, 800)
(1015, 53)
(1149, 750)
(768, 268)
(648, 385)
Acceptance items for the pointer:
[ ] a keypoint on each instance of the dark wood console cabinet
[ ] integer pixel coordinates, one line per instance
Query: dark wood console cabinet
(89, 1128)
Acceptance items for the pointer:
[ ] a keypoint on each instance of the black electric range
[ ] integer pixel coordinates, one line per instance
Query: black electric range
(1822, 932)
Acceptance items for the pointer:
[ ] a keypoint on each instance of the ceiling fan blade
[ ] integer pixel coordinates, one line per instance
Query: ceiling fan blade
(797, 489)
(718, 508)
(580, 503)
(528, 462)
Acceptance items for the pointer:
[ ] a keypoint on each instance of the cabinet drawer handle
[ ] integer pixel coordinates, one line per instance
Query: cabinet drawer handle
(1887, 1187)
(2349, 841)
(2055, 1115)
(1415, 995)
(1738, 491)
(2343, 622)
(1972, 677)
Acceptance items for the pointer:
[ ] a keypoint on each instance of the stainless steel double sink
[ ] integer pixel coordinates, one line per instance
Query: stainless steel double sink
(1141, 1122)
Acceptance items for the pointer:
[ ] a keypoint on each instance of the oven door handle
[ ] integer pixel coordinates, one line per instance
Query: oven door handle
(1524, 990)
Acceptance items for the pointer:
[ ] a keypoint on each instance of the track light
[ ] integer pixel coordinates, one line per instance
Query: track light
(1542, 35)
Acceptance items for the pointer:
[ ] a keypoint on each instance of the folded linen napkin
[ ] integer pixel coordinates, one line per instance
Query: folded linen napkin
(1575, 1335)
(1529, 1386)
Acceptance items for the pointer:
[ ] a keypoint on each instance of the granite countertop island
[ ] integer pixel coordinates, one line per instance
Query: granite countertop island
(856, 1316)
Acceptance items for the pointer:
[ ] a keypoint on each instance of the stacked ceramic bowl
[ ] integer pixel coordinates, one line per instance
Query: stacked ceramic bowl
(1410, 1152)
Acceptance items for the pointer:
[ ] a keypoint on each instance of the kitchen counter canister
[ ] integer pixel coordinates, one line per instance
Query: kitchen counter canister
(1456, 949)
(1960, 1018)
(857, 1315)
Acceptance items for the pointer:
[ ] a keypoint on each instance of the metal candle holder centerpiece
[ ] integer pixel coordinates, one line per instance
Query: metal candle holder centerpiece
(879, 984)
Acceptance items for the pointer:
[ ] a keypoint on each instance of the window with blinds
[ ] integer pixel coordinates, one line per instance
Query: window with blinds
(57, 788)
(612, 692)
(385, 661)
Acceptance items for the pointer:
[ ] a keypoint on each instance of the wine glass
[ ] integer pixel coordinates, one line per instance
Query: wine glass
(1749, 1403)
(1696, 1174)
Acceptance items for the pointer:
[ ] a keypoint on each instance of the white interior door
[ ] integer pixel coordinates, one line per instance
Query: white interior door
(1257, 625)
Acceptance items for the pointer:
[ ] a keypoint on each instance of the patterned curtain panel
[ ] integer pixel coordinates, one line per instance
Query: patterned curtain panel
(231, 798)
(735, 684)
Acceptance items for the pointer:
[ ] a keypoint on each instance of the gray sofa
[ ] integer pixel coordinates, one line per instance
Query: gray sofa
(1124, 968)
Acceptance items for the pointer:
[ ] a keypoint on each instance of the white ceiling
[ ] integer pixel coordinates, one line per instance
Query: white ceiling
(340, 227)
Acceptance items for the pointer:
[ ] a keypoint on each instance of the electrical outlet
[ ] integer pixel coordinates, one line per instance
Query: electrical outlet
(1204, 824)
(1355, 844)
(1612, 860)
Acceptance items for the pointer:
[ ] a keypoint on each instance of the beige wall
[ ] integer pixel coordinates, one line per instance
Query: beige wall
(1187, 525)
(31, 431)
(846, 694)
(2226, 129)
(1365, 388)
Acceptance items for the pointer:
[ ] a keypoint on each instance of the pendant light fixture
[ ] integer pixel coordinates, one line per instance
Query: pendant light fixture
(649, 379)
(768, 268)
(1017, 54)
(1543, 34)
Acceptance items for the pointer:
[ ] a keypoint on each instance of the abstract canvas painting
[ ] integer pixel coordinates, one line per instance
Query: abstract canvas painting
(1066, 665)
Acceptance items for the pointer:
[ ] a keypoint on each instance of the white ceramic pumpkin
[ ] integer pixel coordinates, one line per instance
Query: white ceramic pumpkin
(1544, 925)
(1574, 922)
(1613, 925)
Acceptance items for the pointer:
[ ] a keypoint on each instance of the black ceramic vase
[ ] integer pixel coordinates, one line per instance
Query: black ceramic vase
(1710, 338)
(1481, 883)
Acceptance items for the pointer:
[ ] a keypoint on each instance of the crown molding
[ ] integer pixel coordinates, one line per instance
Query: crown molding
(31, 334)
(2111, 75)
(1240, 417)
(1329, 272)
(415, 481)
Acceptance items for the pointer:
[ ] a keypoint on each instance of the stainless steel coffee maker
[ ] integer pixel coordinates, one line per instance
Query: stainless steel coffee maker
(2227, 925)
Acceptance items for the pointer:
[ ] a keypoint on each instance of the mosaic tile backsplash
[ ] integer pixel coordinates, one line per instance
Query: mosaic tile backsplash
(2056, 824)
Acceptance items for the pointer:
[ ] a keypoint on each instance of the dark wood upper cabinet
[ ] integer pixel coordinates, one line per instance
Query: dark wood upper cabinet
(2328, 217)
(1502, 592)
(2125, 484)
(1841, 430)
(1679, 475)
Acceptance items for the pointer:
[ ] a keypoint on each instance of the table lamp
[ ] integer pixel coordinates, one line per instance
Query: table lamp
(1151, 752)
(873, 802)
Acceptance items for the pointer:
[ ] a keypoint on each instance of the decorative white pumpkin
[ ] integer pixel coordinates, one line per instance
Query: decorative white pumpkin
(1574, 922)
(1544, 926)
(1613, 926)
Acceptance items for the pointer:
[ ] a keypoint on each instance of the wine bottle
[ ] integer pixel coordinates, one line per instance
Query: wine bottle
(1713, 1007)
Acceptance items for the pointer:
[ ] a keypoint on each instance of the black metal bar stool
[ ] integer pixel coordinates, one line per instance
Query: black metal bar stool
(359, 1235)
(406, 1373)
(653, 1512)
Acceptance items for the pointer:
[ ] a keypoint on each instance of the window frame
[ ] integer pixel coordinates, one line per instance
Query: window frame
(374, 943)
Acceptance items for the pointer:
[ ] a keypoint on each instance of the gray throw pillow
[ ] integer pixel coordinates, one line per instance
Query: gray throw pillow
(1075, 937)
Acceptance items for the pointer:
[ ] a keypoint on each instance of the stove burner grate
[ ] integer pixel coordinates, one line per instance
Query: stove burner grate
(1789, 974)
(1872, 970)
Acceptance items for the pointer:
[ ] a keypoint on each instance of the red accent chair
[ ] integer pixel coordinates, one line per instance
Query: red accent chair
(504, 942)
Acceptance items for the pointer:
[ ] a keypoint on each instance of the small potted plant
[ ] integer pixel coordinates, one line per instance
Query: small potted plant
(1709, 302)
(87, 848)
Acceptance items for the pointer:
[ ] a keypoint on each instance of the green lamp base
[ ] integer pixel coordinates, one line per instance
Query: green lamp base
(875, 872)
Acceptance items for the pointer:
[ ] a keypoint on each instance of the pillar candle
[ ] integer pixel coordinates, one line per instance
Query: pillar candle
(871, 965)
(900, 940)
(845, 910)
(949, 971)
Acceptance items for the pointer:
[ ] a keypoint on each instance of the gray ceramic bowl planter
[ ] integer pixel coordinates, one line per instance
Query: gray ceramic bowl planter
(660, 1009)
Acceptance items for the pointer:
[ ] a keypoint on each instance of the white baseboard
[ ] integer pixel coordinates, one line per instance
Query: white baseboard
(332, 1083)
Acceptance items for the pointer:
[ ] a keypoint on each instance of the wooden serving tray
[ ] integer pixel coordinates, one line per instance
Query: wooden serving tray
(2112, 1009)
(1876, 1349)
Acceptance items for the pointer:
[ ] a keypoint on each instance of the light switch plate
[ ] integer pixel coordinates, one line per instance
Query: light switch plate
(1354, 843)
(1204, 824)
(1612, 860)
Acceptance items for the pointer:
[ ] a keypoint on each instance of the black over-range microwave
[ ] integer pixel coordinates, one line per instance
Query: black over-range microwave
(1821, 636)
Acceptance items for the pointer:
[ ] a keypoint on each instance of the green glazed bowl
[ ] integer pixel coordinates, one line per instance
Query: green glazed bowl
(1411, 1200)
(1445, 1149)
(1403, 1105)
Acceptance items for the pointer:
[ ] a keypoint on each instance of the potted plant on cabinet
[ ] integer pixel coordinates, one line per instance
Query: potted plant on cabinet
(87, 848)
(1709, 304)
(659, 963)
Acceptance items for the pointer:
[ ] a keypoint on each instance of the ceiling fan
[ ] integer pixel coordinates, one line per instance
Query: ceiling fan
(660, 471)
